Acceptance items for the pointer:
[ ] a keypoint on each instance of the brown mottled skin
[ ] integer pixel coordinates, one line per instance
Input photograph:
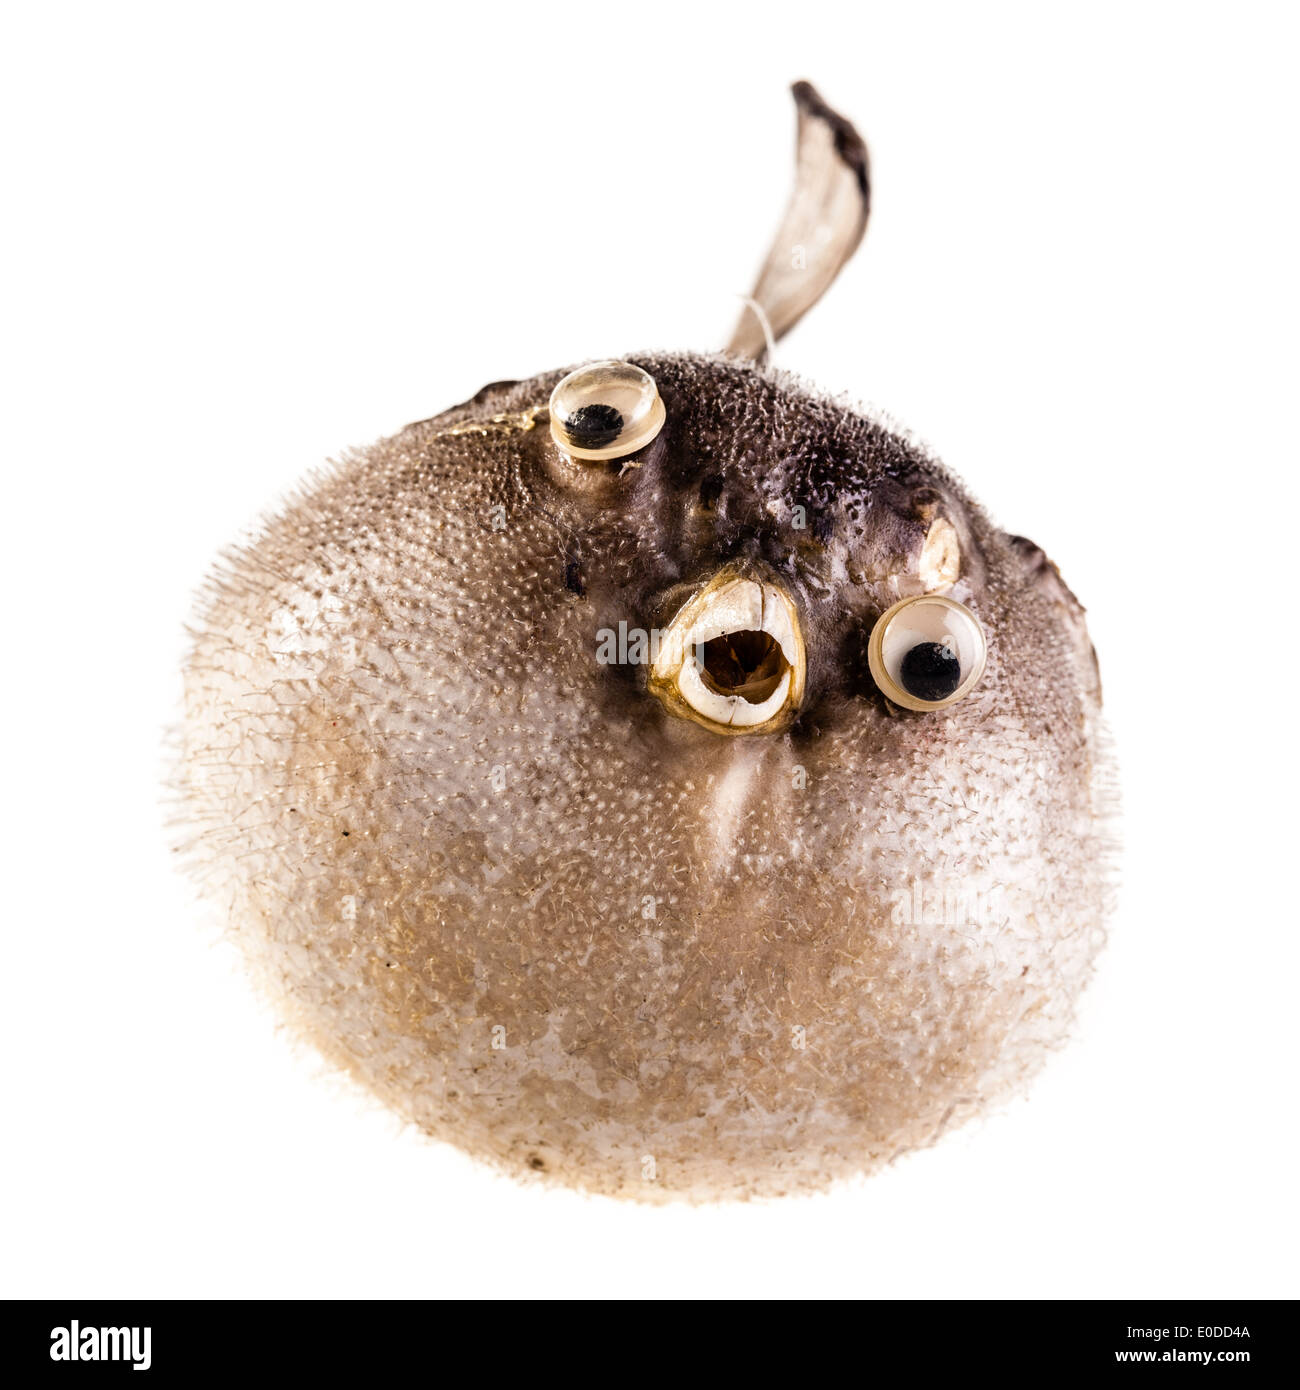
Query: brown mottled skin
(548, 921)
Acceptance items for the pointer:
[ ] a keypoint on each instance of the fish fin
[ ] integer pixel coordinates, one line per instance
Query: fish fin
(483, 397)
(822, 226)
(1042, 572)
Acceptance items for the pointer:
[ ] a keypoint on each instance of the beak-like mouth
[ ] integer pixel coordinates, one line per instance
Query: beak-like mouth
(733, 659)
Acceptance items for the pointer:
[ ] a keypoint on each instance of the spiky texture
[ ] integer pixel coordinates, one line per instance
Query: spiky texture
(545, 920)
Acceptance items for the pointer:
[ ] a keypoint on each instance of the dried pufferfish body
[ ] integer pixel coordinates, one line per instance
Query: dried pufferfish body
(538, 913)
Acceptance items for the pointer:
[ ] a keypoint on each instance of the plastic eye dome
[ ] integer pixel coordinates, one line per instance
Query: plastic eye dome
(927, 652)
(605, 411)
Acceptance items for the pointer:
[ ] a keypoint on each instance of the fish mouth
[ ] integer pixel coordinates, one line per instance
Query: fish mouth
(733, 659)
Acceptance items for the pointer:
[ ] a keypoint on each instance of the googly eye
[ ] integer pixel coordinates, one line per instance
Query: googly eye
(605, 411)
(926, 652)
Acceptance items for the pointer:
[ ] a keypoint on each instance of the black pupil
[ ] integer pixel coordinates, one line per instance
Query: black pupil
(594, 426)
(930, 671)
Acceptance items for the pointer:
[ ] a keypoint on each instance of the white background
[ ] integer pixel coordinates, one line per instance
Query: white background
(238, 238)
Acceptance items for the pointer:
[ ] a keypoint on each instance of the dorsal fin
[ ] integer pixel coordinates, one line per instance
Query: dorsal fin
(822, 227)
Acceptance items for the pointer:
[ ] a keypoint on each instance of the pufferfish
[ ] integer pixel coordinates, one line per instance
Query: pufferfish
(657, 777)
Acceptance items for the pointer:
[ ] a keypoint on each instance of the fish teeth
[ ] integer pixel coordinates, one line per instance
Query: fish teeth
(729, 603)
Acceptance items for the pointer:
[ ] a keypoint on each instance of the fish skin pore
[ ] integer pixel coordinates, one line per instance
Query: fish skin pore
(503, 887)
